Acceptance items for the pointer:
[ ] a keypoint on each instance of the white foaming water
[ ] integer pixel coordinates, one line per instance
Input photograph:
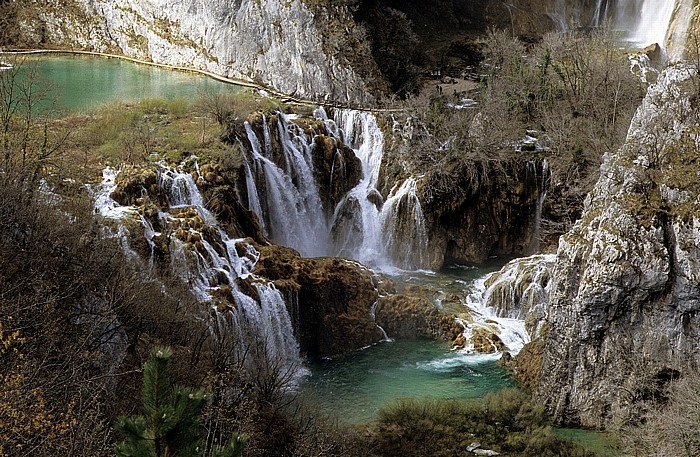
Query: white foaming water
(361, 226)
(211, 264)
(520, 285)
(639, 22)
(499, 302)
(290, 206)
(644, 22)
(104, 205)
(511, 332)
(459, 359)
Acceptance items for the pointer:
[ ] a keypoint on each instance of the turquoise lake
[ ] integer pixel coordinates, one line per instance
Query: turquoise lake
(74, 84)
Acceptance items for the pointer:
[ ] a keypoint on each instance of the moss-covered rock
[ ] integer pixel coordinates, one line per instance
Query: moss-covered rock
(330, 299)
(412, 315)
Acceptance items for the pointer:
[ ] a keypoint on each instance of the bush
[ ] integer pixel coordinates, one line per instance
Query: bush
(504, 421)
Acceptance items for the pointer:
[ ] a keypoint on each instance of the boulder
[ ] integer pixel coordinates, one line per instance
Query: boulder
(413, 315)
(330, 299)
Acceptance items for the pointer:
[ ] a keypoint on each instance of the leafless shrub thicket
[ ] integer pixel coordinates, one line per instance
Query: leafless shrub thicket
(574, 92)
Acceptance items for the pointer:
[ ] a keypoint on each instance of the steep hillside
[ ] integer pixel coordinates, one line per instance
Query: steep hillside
(297, 48)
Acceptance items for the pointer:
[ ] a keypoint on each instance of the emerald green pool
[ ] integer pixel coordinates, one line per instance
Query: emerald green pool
(80, 83)
(354, 388)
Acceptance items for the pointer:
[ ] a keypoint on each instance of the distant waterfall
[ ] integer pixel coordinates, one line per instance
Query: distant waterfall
(382, 234)
(203, 255)
(640, 22)
(644, 22)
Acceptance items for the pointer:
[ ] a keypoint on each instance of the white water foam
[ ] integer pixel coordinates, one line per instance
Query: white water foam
(208, 262)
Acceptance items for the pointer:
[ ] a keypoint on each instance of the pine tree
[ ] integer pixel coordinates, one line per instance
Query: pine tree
(170, 426)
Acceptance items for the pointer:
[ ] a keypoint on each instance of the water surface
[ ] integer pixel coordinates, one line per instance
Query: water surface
(80, 83)
(354, 388)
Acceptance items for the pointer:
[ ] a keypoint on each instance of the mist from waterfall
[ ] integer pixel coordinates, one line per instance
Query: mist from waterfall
(644, 22)
(639, 22)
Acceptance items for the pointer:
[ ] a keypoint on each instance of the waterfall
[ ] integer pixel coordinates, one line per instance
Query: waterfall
(362, 225)
(290, 207)
(482, 318)
(213, 264)
(383, 234)
(404, 225)
(520, 287)
(510, 303)
(639, 22)
(558, 13)
(644, 22)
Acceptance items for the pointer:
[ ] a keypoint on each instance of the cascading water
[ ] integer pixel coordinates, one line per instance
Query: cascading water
(291, 208)
(510, 303)
(286, 197)
(203, 255)
(644, 22)
(406, 238)
(639, 22)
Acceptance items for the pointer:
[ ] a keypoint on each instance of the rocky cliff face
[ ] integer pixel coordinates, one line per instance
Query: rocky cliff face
(623, 311)
(487, 210)
(683, 27)
(329, 299)
(284, 44)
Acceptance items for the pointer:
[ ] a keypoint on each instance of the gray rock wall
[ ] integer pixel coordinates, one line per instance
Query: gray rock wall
(623, 312)
(275, 42)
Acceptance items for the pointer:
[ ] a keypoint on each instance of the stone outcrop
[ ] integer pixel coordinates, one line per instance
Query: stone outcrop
(288, 45)
(625, 299)
(413, 315)
(329, 299)
(684, 25)
(489, 210)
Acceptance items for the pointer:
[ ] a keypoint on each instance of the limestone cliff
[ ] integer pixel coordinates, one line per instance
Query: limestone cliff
(487, 210)
(684, 26)
(623, 310)
(288, 45)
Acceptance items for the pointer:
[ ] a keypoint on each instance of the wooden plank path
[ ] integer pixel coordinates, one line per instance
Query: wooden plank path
(285, 98)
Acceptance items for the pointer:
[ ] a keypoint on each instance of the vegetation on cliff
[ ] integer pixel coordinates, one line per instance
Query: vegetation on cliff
(567, 99)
